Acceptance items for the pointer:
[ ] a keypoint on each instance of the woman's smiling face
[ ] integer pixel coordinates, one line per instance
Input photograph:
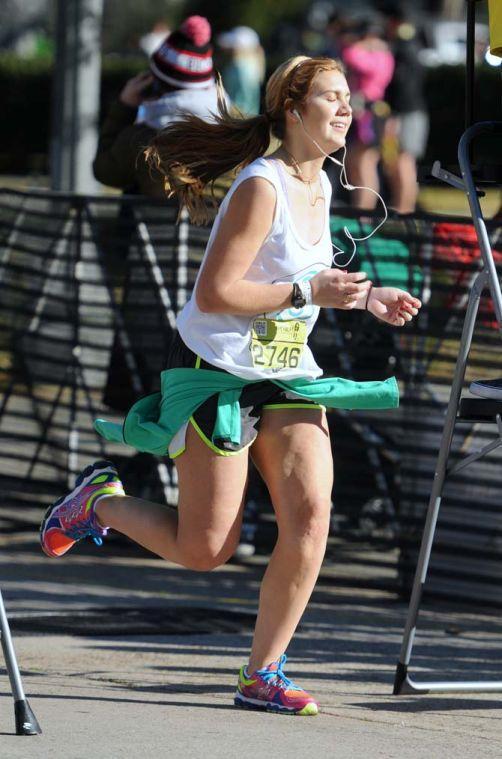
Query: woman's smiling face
(326, 113)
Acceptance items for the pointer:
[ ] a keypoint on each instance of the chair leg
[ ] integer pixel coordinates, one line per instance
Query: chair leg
(26, 722)
(402, 682)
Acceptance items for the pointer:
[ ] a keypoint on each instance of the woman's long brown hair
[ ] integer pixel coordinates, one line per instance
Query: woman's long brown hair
(192, 153)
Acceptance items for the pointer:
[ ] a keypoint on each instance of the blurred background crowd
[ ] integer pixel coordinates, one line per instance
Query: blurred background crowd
(404, 61)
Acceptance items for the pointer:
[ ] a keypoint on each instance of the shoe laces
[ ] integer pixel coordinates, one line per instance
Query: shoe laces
(84, 529)
(277, 677)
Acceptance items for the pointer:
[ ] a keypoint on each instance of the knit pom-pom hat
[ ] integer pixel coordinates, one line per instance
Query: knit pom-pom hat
(185, 59)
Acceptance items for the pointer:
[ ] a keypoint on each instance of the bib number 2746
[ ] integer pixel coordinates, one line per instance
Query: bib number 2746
(277, 344)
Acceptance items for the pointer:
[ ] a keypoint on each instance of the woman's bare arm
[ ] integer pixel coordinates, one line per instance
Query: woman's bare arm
(221, 287)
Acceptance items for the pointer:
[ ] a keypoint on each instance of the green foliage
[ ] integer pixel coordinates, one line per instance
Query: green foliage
(261, 15)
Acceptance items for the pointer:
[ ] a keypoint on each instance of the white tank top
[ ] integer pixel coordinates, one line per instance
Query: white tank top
(268, 346)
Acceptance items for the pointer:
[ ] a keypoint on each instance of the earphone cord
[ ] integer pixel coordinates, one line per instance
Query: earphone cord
(346, 185)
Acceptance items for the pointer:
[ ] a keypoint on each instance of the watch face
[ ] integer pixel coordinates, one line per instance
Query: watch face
(298, 300)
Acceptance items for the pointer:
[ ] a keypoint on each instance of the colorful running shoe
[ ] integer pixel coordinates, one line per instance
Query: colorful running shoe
(72, 517)
(269, 689)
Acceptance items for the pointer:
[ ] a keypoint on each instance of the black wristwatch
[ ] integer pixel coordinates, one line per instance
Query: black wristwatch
(298, 299)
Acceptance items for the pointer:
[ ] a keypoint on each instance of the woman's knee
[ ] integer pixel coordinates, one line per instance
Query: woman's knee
(205, 555)
(308, 523)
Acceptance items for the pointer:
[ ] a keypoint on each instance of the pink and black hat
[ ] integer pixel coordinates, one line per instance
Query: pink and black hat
(185, 58)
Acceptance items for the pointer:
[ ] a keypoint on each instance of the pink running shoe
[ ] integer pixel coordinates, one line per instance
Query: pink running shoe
(72, 517)
(269, 689)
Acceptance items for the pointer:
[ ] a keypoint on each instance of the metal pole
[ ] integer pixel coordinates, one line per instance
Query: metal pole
(486, 128)
(75, 103)
(26, 722)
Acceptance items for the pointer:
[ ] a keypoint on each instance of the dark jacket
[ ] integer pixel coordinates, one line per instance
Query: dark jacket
(119, 160)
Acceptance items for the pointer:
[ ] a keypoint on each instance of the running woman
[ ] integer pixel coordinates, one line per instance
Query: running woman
(241, 379)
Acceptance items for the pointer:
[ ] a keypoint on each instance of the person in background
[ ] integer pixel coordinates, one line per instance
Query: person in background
(244, 73)
(408, 127)
(180, 80)
(370, 66)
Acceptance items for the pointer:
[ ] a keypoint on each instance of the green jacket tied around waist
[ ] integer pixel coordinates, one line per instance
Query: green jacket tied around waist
(152, 422)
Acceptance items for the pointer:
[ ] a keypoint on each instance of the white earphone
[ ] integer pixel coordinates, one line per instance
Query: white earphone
(345, 183)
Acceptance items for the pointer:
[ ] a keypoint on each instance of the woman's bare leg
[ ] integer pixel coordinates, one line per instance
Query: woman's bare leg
(205, 529)
(293, 454)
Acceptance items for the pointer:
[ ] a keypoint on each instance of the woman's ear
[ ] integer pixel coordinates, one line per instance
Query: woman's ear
(291, 111)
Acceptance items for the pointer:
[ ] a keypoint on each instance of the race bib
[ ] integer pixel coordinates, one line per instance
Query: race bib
(277, 344)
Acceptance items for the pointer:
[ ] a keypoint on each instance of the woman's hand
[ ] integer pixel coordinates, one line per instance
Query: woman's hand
(334, 288)
(133, 92)
(393, 306)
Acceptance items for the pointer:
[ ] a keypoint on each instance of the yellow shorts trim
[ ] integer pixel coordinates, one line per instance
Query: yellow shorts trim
(177, 453)
(210, 443)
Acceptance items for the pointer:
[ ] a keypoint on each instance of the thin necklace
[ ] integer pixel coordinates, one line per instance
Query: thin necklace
(313, 197)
